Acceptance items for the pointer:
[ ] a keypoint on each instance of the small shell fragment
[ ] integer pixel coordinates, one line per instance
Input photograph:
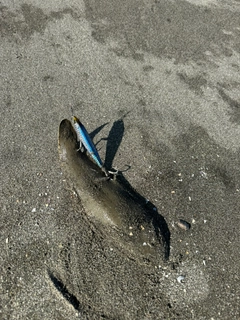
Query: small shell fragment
(183, 225)
(203, 174)
(180, 279)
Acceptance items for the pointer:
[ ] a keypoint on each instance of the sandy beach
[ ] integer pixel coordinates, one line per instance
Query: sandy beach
(157, 84)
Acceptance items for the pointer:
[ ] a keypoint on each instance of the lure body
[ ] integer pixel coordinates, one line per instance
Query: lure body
(84, 138)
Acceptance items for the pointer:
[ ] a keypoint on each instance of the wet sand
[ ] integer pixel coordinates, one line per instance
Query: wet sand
(157, 84)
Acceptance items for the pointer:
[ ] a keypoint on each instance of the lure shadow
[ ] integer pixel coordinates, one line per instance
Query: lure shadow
(113, 142)
(97, 130)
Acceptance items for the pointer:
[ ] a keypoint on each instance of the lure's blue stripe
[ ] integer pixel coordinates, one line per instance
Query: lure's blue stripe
(84, 137)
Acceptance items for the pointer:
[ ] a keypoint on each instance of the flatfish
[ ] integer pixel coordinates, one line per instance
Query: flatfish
(112, 204)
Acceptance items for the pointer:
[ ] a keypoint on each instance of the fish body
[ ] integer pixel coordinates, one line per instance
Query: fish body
(113, 204)
(84, 138)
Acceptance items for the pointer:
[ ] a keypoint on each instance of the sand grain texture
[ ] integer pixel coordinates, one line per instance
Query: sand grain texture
(156, 83)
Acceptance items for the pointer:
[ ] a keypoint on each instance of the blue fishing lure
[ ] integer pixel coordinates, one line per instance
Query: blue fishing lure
(85, 140)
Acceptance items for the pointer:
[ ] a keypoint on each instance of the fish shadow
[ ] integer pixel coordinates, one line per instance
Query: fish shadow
(151, 214)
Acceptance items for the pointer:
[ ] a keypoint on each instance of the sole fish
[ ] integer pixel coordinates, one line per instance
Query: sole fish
(113, 203)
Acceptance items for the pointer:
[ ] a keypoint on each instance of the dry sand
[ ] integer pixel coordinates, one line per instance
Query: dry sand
(173, 69)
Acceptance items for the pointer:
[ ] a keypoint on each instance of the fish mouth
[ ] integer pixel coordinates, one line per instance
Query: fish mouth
(113, 205)
(66, 135)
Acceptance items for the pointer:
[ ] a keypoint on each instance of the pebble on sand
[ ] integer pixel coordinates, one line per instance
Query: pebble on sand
(183, 225)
